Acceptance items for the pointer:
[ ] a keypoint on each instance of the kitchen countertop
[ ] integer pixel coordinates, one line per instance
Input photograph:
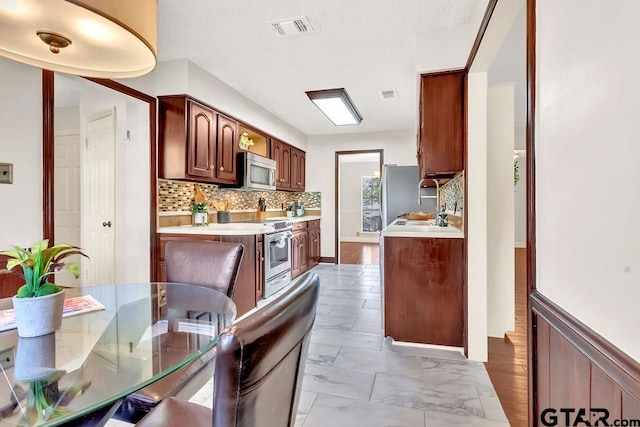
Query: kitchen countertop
(232, 228)
(421, 229)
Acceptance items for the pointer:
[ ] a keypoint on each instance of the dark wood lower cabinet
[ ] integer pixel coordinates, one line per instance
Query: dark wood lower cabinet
(249, 281)
(423, 290)
(314, 247)
(305, 246)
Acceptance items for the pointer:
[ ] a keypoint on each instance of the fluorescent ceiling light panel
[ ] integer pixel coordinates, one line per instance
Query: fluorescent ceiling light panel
(336, 105)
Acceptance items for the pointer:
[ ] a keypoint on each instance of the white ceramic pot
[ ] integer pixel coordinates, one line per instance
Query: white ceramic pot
(38, 315)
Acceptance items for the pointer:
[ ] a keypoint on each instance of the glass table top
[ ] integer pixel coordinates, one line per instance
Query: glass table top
(99, 357)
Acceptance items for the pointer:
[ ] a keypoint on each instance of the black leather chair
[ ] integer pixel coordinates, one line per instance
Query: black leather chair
(200, 263)
(258, 369)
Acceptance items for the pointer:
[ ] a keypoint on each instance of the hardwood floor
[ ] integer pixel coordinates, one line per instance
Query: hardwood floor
(507, 365)
(359, 253)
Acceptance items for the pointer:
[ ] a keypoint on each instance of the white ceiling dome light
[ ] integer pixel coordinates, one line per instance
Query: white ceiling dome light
(92, 38)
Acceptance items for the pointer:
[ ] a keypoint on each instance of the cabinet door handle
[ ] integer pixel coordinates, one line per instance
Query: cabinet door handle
(106, 224)
(221, 168)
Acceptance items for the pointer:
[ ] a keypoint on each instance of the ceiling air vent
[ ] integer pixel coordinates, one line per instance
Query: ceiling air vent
(388, 95)
(292, 27)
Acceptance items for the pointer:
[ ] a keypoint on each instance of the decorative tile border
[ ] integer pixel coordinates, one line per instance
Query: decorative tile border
(177, 196)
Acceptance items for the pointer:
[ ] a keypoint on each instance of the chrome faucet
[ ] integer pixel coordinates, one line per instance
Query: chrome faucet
(437, 196)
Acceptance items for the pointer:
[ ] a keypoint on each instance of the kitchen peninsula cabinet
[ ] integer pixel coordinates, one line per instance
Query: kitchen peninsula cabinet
(290, 166)
(441, 131)
(250, 274)
(195, 142)
(423, 290)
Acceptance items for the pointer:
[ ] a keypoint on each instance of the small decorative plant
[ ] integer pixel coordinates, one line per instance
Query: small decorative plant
(245, 141)
(38, 264)
(199, 208)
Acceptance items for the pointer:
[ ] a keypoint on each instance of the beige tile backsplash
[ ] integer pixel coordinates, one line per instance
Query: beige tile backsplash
(177, 196)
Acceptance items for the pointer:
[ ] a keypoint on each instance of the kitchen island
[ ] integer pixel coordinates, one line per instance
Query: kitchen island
(423, 283)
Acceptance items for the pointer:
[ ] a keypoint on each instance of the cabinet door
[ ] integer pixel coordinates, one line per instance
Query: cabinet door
(201, 141)
(295, 254)
(226, 151)
(314, 247)
(304, 251)
(295, 168)
(281, 153)
(442, 123)
(300, 171)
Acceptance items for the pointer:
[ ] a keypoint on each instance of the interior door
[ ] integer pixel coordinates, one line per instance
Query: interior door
(98, 204)
(67, 197)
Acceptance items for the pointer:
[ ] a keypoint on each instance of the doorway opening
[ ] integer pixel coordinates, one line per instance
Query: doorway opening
(358, 206)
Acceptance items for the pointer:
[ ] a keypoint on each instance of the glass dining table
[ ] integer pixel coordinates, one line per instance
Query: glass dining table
(114, 340)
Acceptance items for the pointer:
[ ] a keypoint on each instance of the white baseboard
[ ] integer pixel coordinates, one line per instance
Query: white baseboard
(520, 245)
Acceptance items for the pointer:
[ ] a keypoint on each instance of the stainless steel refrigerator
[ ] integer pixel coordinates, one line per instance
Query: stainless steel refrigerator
(400, 193)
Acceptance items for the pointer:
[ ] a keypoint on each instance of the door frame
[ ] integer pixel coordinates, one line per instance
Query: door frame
(336, 192)
(48, 164)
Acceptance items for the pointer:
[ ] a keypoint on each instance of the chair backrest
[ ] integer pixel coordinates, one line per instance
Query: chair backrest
(203, 263)
(260, 361)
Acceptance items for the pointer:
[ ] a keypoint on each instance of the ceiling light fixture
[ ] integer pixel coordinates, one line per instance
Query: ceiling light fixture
(91, 38)
(336, 105)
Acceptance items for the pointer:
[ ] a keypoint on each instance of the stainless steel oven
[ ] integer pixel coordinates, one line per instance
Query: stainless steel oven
(277, 258)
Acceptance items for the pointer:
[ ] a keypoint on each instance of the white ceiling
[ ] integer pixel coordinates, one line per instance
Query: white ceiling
(361, 45)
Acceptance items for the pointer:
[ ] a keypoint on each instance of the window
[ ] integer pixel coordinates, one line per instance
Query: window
(371, 213)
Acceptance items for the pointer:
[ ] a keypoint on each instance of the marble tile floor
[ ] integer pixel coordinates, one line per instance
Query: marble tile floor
(355, 377)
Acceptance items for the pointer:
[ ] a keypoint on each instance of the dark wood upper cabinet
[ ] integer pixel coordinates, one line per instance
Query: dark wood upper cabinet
(201, 141)
(195, 142)
(281, 153)
(290, 166)
(298, 165)
(441, 132)
(226, 150)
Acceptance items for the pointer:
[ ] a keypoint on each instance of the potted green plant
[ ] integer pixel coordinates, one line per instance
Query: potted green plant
(199, 214)
(38, 303)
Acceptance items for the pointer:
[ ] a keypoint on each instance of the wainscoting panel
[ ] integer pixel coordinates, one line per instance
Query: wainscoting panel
(577, 368)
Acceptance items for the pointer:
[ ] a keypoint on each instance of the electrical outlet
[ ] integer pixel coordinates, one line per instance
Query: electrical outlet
(6, 358)
(6, 173)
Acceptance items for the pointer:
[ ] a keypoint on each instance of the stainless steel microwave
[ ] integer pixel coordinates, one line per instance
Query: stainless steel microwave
(256, 172)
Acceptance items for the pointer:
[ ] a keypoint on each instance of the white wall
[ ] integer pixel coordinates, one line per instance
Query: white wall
(500, 210)
(21, 144)
(476, 206)
(587, 150)
(185, 77)
(132, 205)
(399, 148)
(351, 174)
